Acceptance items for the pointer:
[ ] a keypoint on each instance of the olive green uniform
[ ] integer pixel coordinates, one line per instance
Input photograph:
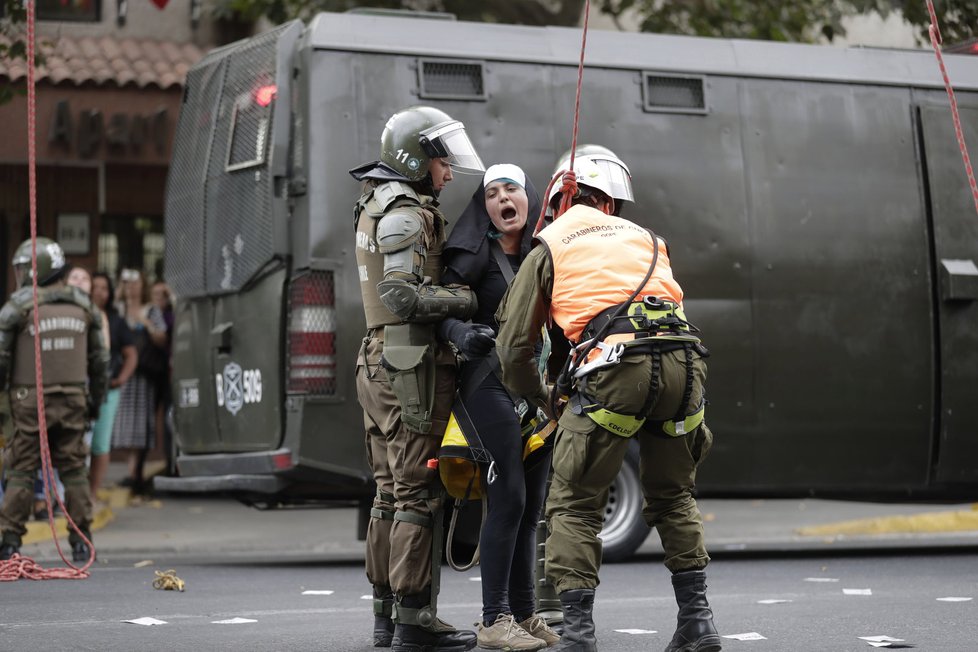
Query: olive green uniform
(399, 445)
(74, 364)
(587, 457)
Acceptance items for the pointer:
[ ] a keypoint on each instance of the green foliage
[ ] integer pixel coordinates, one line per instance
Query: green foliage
(13, 45)
(525, 12)
(789, 20)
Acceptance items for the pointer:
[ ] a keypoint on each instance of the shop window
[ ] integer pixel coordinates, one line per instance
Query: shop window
(82, 11)
(131, 242)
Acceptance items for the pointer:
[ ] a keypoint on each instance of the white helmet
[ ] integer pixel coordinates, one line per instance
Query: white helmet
(589, 174)
(617, 173)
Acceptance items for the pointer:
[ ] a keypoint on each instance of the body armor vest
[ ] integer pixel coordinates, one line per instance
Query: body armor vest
(64, 346)
(375, 202)
(582, 243)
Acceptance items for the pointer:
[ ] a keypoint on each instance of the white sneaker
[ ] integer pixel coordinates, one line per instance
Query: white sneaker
(506, 634)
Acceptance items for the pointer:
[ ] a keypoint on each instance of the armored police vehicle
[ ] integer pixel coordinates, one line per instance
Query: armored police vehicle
(813, 197)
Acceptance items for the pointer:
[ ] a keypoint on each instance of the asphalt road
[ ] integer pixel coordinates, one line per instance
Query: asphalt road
(905, 603)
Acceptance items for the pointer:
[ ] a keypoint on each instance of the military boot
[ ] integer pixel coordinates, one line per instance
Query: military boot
(578, 634)
(79, 549)
(694, 625)
(383, 625)
(434, 636)
(10, 546)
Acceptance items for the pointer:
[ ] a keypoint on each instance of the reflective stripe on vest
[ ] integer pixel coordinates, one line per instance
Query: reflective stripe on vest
(598, 262)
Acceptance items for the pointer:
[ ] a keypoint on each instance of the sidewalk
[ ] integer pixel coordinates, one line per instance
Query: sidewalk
(209, 527)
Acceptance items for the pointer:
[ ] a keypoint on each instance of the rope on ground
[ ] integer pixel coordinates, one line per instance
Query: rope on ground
(19, 567)
(168, 581)
(936, 41)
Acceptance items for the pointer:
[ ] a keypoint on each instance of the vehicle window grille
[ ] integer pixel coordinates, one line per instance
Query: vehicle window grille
(674, 93)
(451, 80)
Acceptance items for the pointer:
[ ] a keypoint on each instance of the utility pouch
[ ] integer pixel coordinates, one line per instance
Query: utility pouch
(409, 359)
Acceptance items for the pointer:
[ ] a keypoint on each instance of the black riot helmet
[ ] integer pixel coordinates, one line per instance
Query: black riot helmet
(51, 262)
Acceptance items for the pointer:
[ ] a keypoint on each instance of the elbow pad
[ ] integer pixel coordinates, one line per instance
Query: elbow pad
(429, 303)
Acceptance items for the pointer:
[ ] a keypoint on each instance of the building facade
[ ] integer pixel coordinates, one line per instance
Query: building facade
(108, 96)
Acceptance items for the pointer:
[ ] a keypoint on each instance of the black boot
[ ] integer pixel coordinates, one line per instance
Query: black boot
(9, 546)
(578, 634)
(79, 549)
(694, 626)
(437, 637)
(383, 625)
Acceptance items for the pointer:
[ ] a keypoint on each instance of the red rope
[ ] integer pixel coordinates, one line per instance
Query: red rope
(569, 187)
(936, 40)
(19, 566)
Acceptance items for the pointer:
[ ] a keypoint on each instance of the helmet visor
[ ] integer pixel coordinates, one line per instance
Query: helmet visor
(617, 176)
(450, 141)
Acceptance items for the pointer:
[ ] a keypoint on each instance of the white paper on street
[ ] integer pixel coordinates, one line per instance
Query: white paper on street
(313, 592)
(857, 591)
(881, 639)
(772, 601)
(821, 579)
(953, 599)
(637, 631)
(146, 620)
(233, 621)
(749, 636)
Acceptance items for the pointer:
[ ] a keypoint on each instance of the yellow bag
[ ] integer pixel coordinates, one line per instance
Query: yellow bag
(461, 455)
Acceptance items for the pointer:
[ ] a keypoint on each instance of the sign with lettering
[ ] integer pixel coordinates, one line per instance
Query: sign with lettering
(121, 133)
(74, 233)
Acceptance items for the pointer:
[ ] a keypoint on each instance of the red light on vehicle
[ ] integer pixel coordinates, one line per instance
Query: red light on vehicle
(974, 48)
(265, 95)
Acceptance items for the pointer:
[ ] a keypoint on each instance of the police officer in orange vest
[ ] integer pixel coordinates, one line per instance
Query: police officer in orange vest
(405, 374)
(74, 362)
(636, 370)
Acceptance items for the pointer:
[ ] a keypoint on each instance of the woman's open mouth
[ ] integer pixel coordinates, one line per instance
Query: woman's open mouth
(509, 213)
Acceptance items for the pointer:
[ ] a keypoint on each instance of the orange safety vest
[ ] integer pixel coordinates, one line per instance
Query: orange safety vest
(598, 262)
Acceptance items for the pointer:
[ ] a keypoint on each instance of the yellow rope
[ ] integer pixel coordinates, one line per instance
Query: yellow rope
(168, 581)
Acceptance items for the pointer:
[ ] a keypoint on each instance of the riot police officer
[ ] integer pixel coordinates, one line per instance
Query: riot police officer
(405, 376)
(637, 370)
(74, 362)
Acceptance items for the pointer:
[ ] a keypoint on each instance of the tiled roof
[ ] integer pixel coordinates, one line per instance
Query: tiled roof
(107, 60)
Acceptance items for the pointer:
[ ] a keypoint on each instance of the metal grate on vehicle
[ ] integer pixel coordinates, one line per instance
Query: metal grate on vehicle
(312, 334)
(451, 80)
(674, 93)
(185, 224)
(239, 187)
(219, 193)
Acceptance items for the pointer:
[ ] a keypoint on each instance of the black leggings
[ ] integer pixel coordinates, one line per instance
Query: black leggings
(515, 500)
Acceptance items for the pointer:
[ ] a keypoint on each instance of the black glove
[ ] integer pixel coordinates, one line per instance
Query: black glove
(93, 411)
(473, 341)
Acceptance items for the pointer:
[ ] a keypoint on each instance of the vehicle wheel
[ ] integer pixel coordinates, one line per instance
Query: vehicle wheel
(624, 528)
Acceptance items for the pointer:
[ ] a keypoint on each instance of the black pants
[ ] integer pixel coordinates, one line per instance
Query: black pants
(515, 499)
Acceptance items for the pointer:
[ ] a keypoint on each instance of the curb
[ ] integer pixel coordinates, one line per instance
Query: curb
(927, 522)
(115, 497)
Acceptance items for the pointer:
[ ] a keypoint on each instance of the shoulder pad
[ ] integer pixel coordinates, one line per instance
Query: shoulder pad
(12, 314)
(398, 229)
(381, 198)
(387, 193)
